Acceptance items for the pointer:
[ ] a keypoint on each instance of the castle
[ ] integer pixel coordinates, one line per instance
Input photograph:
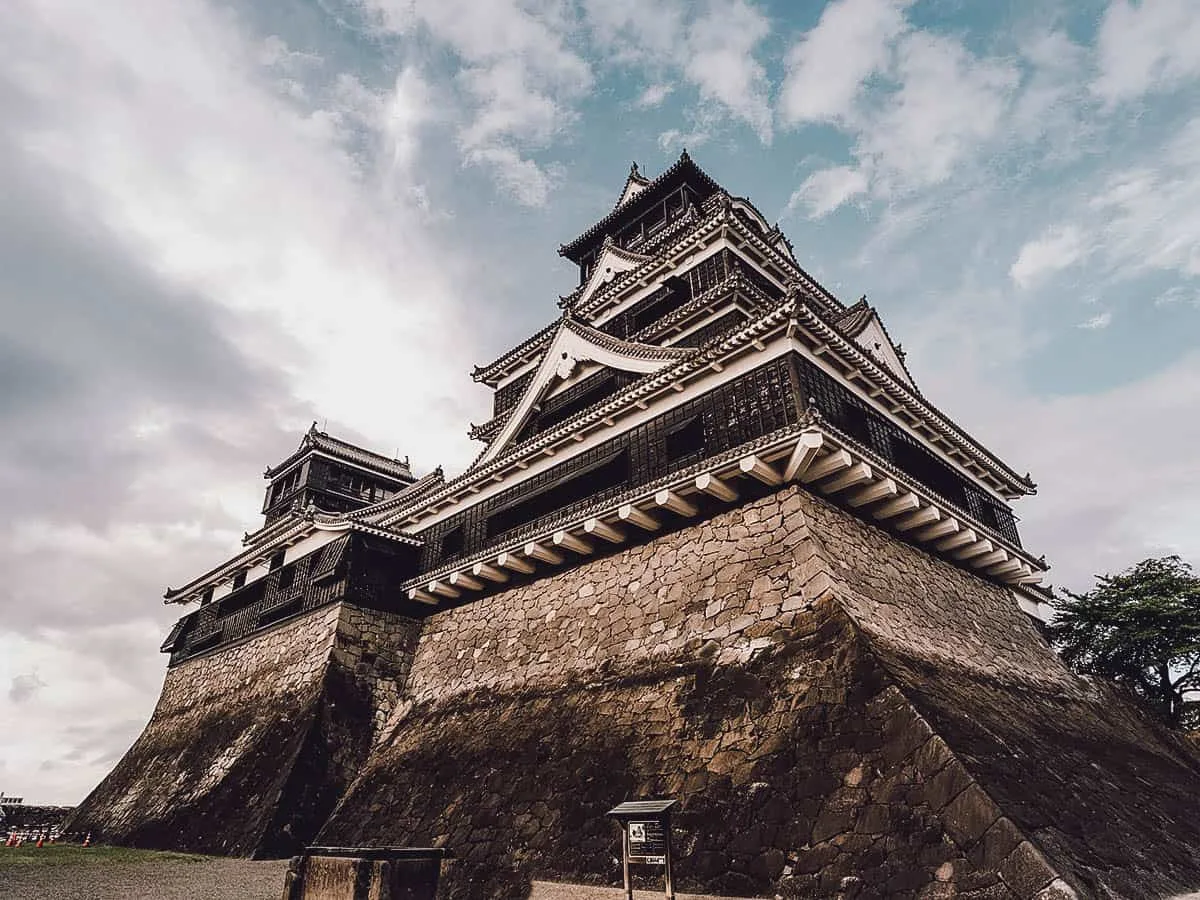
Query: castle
(718, 547)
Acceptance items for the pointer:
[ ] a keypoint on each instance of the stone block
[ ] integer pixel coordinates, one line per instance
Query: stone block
(1057, 890)
(945, 786)
(1025, 871)
(969, 815)
(998, 842)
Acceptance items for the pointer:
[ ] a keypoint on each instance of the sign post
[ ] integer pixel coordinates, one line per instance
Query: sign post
(646, 838)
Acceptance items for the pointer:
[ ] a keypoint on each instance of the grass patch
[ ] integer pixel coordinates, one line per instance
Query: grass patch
(29, 854)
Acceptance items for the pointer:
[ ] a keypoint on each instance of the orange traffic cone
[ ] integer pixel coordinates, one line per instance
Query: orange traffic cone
(41, 841)
(87, 841)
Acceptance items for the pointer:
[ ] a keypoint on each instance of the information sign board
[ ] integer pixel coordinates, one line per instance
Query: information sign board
(648, 842)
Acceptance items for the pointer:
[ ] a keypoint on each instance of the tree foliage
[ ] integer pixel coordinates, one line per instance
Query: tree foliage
(1140, 628)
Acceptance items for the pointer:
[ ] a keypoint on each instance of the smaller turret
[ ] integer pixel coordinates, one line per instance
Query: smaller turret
(333, 476)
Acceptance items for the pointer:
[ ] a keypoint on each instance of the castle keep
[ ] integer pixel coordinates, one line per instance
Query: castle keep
(718, 546)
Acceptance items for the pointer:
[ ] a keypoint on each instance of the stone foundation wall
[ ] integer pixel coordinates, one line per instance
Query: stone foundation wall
(774, 668)
(922, 607)
(790, 766)
(839, 713)
(724, 586)
(249, 746)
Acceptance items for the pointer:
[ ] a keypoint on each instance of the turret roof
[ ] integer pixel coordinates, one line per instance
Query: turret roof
(683, 167)
(336, 447)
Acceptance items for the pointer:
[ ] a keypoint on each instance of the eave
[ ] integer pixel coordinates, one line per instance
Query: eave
(267, 532)
(518, 355)
(903, 401)
(260, 553)
(812, 453)
(637, 396)
(263, 552)
(635, 183)
(337, 524)
(578, 342)
(414, 492)
(674, 323)
(718, 222)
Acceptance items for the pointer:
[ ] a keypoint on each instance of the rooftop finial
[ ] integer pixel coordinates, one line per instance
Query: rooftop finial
(633, 170)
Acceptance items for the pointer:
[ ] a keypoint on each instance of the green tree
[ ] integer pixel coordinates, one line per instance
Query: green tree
(1140, 628)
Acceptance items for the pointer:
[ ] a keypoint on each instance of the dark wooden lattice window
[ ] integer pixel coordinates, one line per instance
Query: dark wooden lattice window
(574, 399)
(928, 469)
(277, 561)
(842, 409)
(608, 472)
(287, 578)
(685, 440)
(659, 304)
(239, 580)
(855, 423)
(452, 542)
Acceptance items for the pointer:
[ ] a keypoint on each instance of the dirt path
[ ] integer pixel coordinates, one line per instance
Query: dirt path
(210, 879)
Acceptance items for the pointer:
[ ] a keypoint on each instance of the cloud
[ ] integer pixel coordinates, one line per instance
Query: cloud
(637, 34)
(1097, 322)
(949, 103)
(653, 96)
(826, 190)
(519, 78)
(827, 67)
(1148, 214)
(937, 107)
(713, 47)
(1080, 445)
(721, 62)
(1179, 294)
(970, 347)
(1053, 251)
(25, 687)
(196, 260)
(523, 179)
(1146, 47)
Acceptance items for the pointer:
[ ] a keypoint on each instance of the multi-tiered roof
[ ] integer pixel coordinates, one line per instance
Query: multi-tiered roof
(695, 363)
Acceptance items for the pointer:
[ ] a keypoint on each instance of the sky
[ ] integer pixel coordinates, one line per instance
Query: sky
(221, 222)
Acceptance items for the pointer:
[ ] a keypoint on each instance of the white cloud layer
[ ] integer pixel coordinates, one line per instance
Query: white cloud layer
(934, 105)
(712, 46)
(828, 67)
(1146, 47)
(242, 262)
(1052, 252)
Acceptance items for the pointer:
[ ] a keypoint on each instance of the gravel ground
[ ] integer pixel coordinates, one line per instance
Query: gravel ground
(210, 879)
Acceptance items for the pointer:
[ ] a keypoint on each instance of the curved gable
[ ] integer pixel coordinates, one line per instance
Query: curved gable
(612, 262)
(574, 344)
